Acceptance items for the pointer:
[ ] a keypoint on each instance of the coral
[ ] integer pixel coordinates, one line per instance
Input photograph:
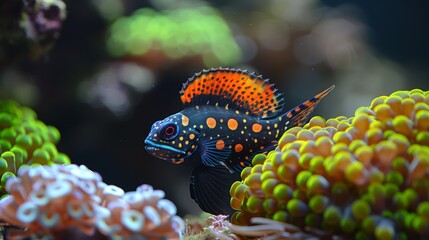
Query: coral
(49, 201)
(51, 198)
(268, 230)
(184, 32)
(218, 227)
(25, 140)
(209, 227)
(143, 212)
(28, 28)
(196, 224)
(363, 177)
(42, 19)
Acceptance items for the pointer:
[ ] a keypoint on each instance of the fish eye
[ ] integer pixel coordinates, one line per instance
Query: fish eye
(169, 131)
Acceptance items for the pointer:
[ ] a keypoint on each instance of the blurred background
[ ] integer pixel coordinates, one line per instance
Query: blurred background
(102, 71)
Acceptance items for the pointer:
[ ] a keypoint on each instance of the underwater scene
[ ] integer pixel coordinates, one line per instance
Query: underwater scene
(204, 119)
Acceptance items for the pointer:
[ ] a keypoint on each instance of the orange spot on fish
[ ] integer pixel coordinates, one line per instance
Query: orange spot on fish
(256, 127)
(289, 115)
(297, 109)
(185, 120)
(220, 144)
(191, 136)
(242, 164)
(232, 124)
(211, 122)
(238, 148)
(178, 161)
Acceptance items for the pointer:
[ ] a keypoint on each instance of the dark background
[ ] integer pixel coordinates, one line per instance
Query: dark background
(393, 35)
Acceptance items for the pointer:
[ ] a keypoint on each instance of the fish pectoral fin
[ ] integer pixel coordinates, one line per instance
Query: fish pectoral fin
(237, 167)
(270, 147)
(214, 152)
(210, 186)
(226, 166)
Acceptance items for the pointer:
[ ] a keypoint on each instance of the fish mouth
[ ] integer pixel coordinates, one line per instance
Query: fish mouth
(152, 146)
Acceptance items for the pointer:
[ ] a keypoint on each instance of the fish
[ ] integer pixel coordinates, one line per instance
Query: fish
(229, 116)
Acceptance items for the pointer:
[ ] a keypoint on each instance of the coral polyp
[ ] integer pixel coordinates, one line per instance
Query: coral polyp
(364, 177)
(143, 212)
(25, 140)
(44, 196)
(47, 200)
(60, 200)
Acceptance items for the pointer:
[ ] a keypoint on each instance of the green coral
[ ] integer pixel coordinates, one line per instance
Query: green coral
(39, 203)
(363, 177)
(25, 140)
(176, 33)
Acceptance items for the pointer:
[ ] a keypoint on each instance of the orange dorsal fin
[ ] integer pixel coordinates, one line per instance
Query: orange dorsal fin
(299, 114)
(235, 88)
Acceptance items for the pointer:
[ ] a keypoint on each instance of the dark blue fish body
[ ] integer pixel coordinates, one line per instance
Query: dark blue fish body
(229, 117)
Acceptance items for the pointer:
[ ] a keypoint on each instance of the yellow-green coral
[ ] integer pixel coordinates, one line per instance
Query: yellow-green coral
(25, 140)
(364, 177)
(177, 33)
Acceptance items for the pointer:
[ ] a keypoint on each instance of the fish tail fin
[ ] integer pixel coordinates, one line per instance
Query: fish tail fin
(299, 114)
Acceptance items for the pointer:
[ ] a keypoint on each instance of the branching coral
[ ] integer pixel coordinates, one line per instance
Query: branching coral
(25, 140)
(364, 177)
(51, 200)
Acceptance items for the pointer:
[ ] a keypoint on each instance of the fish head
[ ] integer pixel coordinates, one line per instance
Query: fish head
(171, 141)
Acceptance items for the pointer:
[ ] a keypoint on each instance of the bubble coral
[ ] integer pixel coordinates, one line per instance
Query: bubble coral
(363, 177)
(141, 213)
(49, 199)
(25, 140)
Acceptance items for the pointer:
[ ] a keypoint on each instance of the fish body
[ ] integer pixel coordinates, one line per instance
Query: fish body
(229, 116)
(224, 137)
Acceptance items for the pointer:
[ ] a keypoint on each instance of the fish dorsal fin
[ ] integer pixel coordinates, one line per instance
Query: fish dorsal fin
(298, 115)
(234, 88)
